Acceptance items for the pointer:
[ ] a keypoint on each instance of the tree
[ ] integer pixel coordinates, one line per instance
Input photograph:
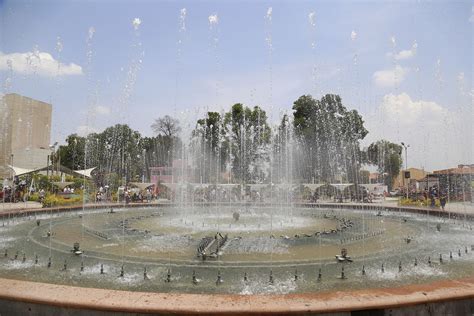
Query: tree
(207, 145)
(249, 136)
(167, 130)
(329, 136)
(72, 154)
(238, 142)
(364, 176)
(166, 126)
(281, 152)
(388, 159)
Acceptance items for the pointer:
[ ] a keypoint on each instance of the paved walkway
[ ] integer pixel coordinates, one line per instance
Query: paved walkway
(454, 207)
(19, 206)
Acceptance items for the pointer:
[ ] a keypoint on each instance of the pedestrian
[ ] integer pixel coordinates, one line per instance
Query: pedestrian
(442, 201)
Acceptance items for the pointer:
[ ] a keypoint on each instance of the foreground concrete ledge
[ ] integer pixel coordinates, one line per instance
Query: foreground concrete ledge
(189, 304)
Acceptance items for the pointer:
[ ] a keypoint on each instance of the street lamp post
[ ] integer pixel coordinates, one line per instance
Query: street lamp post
(11, 163)
(12, 198)
(406, 164)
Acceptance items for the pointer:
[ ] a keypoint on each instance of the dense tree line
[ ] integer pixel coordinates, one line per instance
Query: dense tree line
(319, 142)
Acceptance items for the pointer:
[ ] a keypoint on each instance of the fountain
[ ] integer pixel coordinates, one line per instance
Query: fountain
(266, 216)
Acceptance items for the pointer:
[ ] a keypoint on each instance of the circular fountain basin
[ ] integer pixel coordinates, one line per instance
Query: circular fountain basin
(273, 250)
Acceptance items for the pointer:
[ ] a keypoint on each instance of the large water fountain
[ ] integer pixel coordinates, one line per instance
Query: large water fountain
(243, 248)
(248, 232)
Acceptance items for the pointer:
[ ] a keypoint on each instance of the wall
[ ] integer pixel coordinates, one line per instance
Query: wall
(26, 130)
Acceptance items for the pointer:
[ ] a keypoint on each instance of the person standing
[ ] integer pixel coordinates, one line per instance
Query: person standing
(442, 201)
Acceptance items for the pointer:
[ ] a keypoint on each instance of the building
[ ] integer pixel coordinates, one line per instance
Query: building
(415, 175)
(374, 177)
(177, 173)
(26, 131)
(457, 182)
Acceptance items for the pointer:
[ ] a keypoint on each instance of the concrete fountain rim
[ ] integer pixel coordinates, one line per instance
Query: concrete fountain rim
(95, 299)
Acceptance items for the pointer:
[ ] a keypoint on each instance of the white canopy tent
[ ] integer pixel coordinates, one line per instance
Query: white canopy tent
(22, 171)
(341, 186)
(86, 172)
(313, 186)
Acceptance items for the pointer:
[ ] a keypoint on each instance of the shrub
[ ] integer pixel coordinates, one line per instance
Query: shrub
(33, 197)
(53, 200)
(421, 203)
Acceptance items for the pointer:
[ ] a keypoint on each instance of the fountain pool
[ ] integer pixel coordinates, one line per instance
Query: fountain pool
(205, 249)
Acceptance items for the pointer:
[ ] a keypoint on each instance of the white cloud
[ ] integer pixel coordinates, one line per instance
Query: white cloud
(408, 111)
(103, 110)
(390, 77)
(405, 54)
(40, 62)
(471, 18)
(435, 134)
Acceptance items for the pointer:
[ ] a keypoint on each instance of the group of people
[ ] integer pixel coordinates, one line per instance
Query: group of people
(432, 194)
(128, 195)
(68, 190)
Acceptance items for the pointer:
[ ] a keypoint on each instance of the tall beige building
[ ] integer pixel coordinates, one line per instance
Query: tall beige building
(25, 126)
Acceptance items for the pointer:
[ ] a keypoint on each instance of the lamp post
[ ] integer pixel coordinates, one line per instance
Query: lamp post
(406, 164)
(11, 163)
(52, 156)
(12, 197)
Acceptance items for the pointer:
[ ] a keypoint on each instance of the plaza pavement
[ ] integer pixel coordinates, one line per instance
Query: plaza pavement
(454, 207)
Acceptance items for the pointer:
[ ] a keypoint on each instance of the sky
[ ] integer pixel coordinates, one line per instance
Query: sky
(406, 66)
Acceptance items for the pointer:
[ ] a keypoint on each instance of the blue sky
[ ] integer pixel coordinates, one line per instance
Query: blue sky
(412, 78)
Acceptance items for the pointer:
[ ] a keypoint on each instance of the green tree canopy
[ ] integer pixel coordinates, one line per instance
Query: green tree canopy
(329, 135)
(388, 159)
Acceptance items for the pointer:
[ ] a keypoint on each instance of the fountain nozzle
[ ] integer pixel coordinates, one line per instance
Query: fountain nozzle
(219, 278)
(195, 280)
